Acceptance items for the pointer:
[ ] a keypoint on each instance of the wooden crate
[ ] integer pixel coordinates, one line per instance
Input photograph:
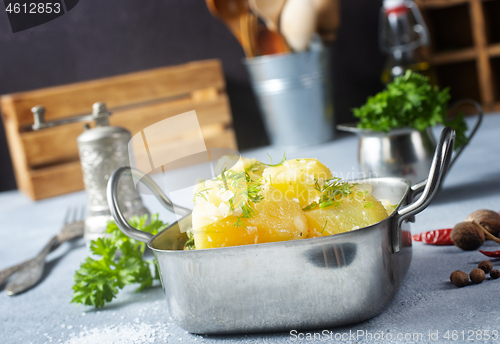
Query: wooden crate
(465, 49)
(46, 162)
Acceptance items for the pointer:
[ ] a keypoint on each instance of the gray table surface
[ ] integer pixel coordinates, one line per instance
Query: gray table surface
(426, 303)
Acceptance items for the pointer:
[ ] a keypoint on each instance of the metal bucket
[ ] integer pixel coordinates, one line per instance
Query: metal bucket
(294, 94)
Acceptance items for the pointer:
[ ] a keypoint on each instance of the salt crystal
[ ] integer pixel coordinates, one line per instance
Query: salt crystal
(70, 327)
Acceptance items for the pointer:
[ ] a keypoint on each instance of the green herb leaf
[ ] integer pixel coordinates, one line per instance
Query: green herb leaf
(189, 245)
(326, 222)
(332, 192)
(368, 205)
(311, 206)
(118, 261)
(279, 163)
(246, 191)
(410, 101)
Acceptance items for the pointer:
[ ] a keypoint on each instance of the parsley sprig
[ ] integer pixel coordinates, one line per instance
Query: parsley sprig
(410, 101)
(116, 262)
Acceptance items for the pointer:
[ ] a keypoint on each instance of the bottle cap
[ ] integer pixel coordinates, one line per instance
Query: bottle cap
(395, 6)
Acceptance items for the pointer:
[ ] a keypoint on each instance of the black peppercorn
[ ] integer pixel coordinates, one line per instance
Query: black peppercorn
(486, 266)
(477, 276)
(494, 274)
(459, 278)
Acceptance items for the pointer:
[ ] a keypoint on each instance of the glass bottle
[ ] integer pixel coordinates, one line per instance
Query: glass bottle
(402, 31)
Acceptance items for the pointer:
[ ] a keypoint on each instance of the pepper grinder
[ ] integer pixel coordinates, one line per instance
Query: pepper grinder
(102, 150)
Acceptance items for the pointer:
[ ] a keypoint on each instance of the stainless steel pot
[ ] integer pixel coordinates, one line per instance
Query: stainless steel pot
(402, 152)
(301, 284)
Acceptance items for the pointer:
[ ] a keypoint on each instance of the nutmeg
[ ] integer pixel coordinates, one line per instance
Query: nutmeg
(488, 219)
(467, 236)
(486, 266)
(477, 276)
(459, 278)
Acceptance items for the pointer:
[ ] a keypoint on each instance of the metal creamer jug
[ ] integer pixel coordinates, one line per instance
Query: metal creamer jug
(401, 152)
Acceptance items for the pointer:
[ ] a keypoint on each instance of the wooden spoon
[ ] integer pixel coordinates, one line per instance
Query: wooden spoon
(249, 28)
(298, 23)
(268, 10)
(231, 12)
(328, 14)
(270, 42)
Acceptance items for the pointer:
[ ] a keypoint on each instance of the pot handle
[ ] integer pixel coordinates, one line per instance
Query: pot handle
(439, 167)
(112, 194)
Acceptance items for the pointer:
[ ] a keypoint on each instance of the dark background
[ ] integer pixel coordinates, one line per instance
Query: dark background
(103, 38)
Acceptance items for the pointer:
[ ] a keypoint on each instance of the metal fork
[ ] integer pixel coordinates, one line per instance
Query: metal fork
(31, 271)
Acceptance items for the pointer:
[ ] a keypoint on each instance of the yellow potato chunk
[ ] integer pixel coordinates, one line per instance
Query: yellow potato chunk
(274, 219)
(223, 233)
(296, 178)
(232, 210)
(278, 220)
(349, 215)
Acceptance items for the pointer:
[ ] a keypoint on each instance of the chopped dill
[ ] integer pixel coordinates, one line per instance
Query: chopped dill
(361, 194)
(257, 166)
(324, 226)
(246, 191)
(332, 192)
(189, 245)
(201, 194)
(310, 206)
(279, 163)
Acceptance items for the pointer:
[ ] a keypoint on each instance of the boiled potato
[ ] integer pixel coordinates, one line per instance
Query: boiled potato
(352, 212)
(278, 220)
(223, 233)
(274, 219)
(296, 179)
(275, 204)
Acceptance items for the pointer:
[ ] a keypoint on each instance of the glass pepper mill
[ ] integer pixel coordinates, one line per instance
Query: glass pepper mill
(102, 150)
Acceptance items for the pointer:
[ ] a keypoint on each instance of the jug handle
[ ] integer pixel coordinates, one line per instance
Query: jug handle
(439, 167)
(112, 195)
(419, 187)
(473, 131)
